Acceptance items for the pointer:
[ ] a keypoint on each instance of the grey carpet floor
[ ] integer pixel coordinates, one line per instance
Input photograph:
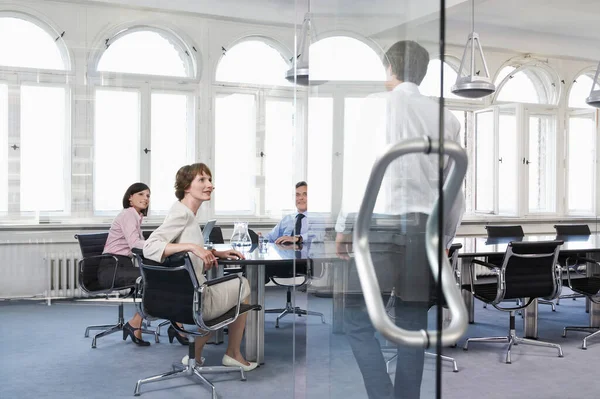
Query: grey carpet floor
(43, 354)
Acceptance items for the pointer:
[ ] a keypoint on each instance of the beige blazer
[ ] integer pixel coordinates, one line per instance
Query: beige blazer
(181, 226)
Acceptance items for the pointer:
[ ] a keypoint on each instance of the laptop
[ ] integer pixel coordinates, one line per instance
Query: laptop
(207, 229)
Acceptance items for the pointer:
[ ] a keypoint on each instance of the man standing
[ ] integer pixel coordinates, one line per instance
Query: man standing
(295, 228)
(410, 190)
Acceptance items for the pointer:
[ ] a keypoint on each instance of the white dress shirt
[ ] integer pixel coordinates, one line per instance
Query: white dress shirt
(411, 181)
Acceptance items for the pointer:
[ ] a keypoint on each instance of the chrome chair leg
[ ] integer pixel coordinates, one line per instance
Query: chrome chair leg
(114, 329)
(161, 325)
(593, 332)
(99, 327)
(545, 302)
(512, 339)
(185, 372)
(428, 354)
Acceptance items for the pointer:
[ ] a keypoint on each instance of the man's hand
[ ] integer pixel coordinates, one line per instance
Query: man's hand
(283, 240)
(343, 245)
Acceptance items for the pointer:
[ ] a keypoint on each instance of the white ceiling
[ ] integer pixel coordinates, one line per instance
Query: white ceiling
(565, 27)
(371, 16)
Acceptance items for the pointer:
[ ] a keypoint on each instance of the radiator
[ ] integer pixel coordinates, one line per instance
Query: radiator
(63, 275)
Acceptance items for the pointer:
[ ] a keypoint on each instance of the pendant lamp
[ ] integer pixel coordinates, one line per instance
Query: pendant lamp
(474, 84)
(594, 97)
(299, 73)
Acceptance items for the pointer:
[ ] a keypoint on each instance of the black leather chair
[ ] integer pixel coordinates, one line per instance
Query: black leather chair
(302, 270)
(453, 258)
(581, 284)
(494, 231)
(216, 236)
(572, 262)
(170, 290)
(92, 245)
(529, 270)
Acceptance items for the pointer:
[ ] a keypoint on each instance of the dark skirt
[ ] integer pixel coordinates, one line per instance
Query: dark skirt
(126, 274)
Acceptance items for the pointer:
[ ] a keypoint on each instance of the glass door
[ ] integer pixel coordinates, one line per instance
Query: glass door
(354, 336)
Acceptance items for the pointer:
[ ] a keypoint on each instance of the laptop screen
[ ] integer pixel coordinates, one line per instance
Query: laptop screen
(207, 229)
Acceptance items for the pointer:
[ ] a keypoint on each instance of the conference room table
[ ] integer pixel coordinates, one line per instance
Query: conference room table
(482, 246)
(255, 262)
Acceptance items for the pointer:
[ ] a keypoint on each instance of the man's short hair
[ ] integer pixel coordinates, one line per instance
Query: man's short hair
(408, 61)
(301, 184)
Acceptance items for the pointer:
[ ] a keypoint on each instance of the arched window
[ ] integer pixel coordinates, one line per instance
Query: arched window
(42, 109)
(147, 51)
(580, 90)
(430, 86)
(344, 58)
(527, 83)
(155, 139)
(253, 61)
(26, 44)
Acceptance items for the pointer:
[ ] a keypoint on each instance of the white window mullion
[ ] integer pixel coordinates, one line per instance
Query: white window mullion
(497, 161)
(261, 154)
(523, 152)
(337, 169)
(14, 155)
(145, 134)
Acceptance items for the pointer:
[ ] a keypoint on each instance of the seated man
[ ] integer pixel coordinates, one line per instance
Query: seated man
(296, 228)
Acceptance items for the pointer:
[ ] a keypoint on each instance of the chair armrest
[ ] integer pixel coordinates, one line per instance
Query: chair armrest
(490, 266)
(174, 260)
(198, 318)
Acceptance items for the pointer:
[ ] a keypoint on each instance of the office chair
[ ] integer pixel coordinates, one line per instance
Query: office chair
(302, 270)
(171, 291)
(92, 245)
(506, 233)
(528, 270)
(216, 236)
(453, 257)
(572, 262)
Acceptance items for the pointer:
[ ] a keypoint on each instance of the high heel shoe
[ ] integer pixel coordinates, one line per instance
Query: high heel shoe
(231, 362)
(173, 333)
(129, 330)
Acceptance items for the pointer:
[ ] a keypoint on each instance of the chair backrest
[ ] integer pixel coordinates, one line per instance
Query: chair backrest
(504, 231)
(253, 236)
(91, 244)
(207, 229)
(146, 234)
(453, 257)
(572, 230)
(529, 269)
(168, 288)
(216, 236)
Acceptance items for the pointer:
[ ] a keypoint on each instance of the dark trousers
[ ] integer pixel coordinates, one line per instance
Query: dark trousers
(406, 270)
(367, 350)
(126, 273)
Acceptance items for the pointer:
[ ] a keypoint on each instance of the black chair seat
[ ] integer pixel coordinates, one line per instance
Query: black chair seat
(588, 286)
(486, 292)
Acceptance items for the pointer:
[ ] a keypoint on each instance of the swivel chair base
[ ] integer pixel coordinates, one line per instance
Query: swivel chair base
(427, 354)
(113, 328)
(190, 370)
(583, 329)
(512, 339)
(289, 309)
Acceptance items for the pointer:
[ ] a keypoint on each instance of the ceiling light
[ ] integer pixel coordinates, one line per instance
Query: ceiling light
(474, 84)
(594, 97)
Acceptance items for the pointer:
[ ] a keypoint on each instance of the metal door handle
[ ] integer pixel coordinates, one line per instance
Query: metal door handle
(364, 263)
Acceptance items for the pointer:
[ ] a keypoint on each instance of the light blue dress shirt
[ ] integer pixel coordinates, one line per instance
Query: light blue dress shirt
(285, 227)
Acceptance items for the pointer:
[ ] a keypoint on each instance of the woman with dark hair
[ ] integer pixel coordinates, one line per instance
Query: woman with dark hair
(125, 234)
(180, 232)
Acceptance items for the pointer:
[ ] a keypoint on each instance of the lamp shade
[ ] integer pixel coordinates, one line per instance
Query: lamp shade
(299, 72)
(473, 84)
(593, 99)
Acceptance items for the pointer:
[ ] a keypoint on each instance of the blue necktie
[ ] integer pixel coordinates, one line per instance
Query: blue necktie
(298, 226)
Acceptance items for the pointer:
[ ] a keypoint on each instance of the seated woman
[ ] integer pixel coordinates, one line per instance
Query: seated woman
(126, 233)
(180, 232)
